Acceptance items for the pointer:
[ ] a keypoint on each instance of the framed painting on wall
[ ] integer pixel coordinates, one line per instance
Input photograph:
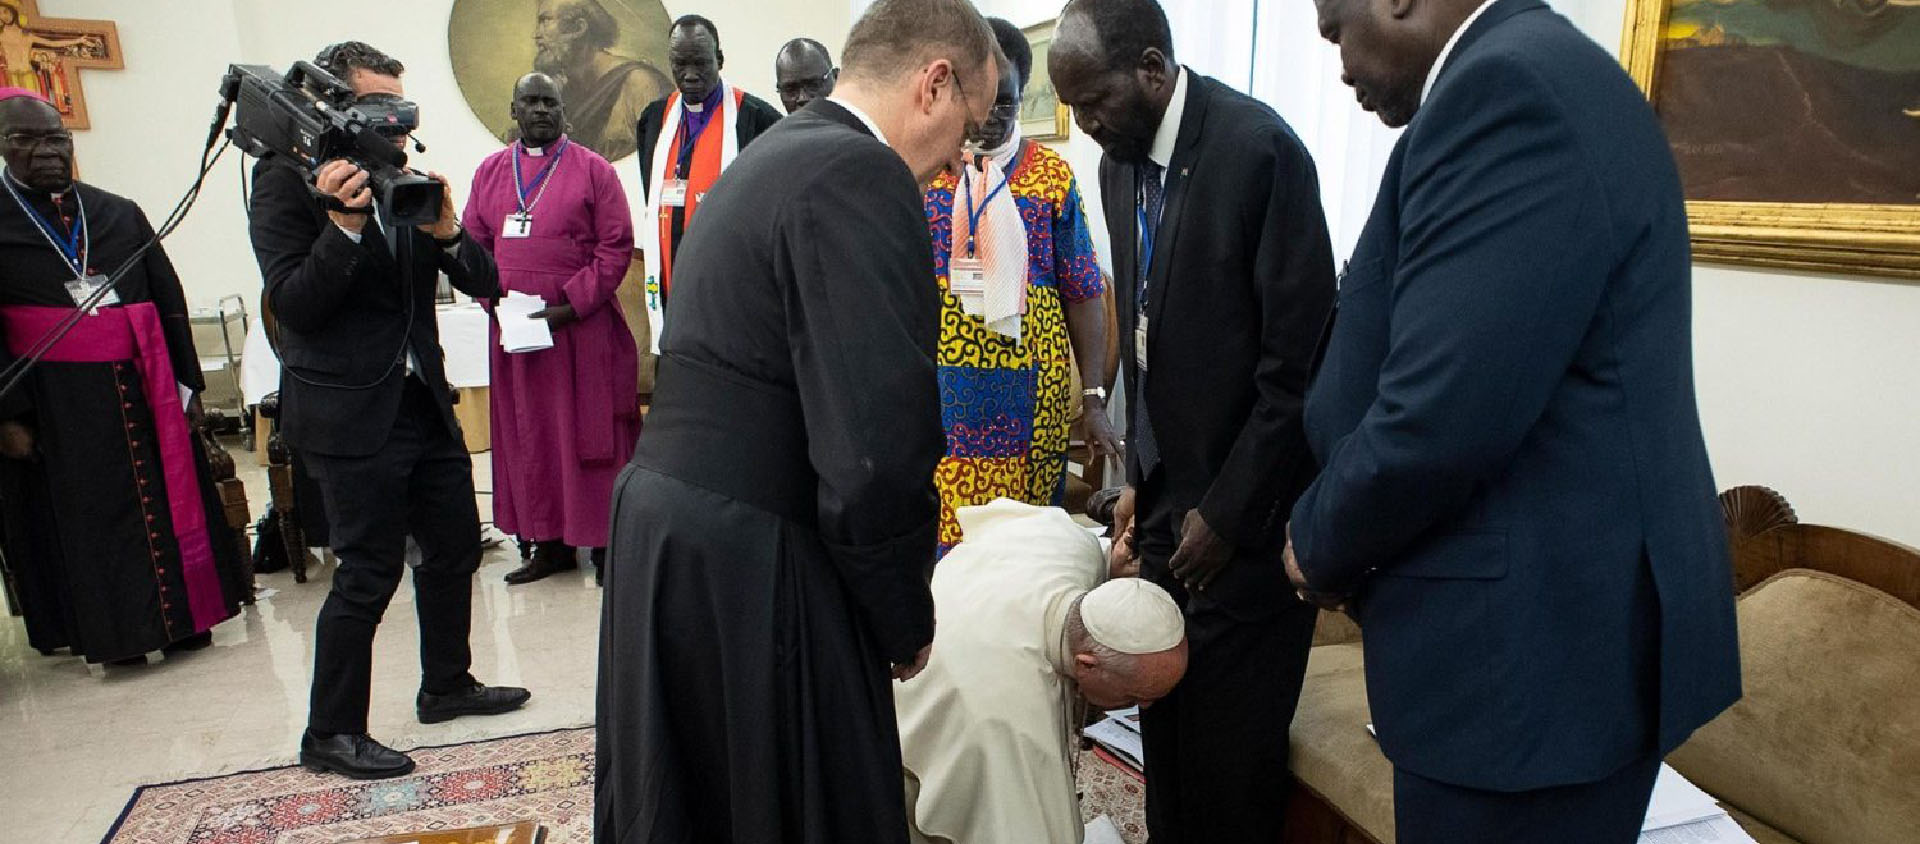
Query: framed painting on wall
(1042, 117)
(1795, 124)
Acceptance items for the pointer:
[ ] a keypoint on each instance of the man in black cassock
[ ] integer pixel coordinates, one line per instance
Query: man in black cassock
(774, 533)
(113, 529)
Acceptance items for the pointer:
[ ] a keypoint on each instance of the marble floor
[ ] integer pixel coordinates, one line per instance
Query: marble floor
(75, 741)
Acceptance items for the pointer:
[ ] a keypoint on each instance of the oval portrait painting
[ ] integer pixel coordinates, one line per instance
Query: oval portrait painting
(609, 56)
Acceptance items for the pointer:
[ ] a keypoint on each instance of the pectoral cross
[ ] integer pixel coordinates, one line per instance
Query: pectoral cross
(46, 55)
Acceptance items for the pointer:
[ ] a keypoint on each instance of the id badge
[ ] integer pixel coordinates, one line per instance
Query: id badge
(967, 281)
(1140, 343)
(518, 224)
(673, 193)
(81, 291)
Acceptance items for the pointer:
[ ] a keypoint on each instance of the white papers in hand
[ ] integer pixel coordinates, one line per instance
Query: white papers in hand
(519, 331)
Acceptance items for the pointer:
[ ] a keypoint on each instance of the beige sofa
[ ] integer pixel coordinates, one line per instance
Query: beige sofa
(1823, 749)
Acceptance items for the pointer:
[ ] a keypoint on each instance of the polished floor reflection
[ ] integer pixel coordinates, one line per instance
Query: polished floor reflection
(76, 741)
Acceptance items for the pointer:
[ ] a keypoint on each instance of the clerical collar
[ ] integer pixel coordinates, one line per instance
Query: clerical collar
(536, 152)
(36, 191)
(861, 115)
(713, 98)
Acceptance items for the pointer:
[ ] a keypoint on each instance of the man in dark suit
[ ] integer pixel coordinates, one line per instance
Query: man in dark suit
(365, 402)
(1225, 281)
(1515, 499)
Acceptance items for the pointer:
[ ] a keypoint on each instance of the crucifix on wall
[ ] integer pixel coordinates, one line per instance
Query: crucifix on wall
(46, 55)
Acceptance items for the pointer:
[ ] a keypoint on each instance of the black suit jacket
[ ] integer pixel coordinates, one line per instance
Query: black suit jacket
(347, 313)
(1516, 486)
(1238, 294)
(754, 117)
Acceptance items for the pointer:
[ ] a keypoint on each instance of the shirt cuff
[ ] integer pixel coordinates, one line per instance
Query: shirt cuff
(351, 235)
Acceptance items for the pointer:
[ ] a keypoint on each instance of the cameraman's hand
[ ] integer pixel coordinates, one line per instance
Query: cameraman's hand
(343, 180)
(449, 223)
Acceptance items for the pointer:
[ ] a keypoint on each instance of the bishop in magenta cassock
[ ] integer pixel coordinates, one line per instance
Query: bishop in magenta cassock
(564, 418)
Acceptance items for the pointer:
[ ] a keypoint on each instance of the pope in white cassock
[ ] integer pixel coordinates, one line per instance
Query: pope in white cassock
(1028, 635)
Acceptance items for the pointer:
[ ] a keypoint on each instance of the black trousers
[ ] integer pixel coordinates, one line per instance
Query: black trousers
(1606, 812)
(419, 484)
(1217, 746)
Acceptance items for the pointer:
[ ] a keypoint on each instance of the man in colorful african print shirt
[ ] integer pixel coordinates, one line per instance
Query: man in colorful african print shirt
(1020, 298)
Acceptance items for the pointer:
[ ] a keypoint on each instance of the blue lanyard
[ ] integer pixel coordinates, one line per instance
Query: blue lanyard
(1146, 254)
(75, 245)
(522, 190)
(974, 213)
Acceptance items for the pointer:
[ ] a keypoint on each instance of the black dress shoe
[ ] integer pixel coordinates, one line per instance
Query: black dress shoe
(477, 699)
(548, 558)
(354, 755)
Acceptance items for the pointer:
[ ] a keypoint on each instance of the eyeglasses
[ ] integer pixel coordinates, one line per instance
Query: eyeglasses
(972, 131)
(32, 140)
(803, 86)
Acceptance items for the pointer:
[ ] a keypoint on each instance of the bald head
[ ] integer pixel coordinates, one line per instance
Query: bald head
(38, 148)
(1112, 63)
(803, 71)
(538, 110)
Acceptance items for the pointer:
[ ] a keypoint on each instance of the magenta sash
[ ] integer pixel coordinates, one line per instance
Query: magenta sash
(133, 333)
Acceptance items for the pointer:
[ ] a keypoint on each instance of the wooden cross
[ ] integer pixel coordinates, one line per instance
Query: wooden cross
(46, 55)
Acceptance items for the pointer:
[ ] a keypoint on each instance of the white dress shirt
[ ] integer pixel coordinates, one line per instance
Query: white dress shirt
(1433, 73)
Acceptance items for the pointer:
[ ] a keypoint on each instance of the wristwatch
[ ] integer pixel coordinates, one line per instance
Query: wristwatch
(1096, 392)
(450, 242)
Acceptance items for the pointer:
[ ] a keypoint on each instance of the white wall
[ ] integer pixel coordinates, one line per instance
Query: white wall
(150, 119)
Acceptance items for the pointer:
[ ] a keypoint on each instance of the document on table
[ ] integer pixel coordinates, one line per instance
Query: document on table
(1676, 801)
(1680, 813)
(519, 331)
(1122, 741)
(1720, 830)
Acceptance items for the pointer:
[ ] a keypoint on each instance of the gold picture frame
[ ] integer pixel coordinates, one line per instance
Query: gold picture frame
(1838, 237)
(1042, 117)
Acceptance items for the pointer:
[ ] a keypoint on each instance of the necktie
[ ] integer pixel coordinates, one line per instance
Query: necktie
(1152, 199)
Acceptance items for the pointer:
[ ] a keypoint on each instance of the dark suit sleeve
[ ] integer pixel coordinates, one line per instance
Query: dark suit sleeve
(1293, 289)
(1504, 253)
(308, 265)
(863, 320)
(470, 269)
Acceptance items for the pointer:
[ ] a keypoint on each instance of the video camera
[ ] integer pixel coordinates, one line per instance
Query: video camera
(310, 117)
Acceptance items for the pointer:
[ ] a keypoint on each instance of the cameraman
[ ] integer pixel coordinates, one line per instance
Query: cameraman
(365, 401)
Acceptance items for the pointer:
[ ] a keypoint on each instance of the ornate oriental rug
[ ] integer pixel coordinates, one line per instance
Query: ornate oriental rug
(546, 777)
